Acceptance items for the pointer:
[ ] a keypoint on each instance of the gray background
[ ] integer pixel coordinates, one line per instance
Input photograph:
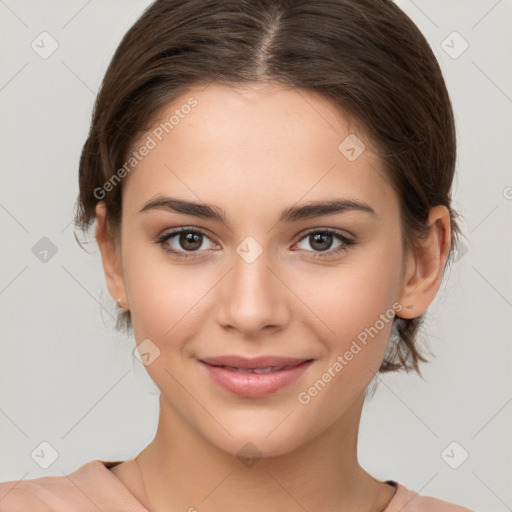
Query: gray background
(69, 380)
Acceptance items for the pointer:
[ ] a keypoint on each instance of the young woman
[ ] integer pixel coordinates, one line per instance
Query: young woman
(271, 183)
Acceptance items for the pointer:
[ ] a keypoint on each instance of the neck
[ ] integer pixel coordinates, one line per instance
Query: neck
(183, 471)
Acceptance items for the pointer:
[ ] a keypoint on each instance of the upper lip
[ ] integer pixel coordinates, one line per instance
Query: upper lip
(256, 362)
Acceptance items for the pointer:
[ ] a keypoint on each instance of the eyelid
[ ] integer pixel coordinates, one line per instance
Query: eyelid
(185, 229)
(346, 241)
(332, 231)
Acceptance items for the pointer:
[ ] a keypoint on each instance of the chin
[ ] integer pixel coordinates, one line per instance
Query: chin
(254, 443)
(250, 450)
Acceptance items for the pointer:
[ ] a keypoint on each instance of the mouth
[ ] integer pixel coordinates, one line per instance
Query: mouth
(269, 369)
(254, 378)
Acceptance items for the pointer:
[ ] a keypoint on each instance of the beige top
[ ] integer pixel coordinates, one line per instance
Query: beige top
(93, 487)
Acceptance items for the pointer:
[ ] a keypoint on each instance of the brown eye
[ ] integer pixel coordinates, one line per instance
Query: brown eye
(181, 241)
(190, 241)
(321, 243)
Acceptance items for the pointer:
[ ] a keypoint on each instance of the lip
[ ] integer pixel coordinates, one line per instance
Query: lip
(255, 362)
(254, 385)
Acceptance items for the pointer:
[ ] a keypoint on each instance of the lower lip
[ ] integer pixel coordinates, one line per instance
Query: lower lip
(254, 385)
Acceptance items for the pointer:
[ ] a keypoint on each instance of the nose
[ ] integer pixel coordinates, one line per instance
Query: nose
(253, 298)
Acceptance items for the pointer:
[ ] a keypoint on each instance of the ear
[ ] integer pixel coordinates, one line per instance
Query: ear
(111, 257)
(424, 266)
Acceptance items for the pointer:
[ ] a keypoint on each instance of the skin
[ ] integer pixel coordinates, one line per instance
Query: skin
(254, 151)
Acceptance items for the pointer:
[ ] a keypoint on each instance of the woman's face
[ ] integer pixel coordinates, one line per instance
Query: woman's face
(264, 276)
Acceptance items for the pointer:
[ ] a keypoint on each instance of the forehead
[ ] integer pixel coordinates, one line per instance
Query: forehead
(259, 142)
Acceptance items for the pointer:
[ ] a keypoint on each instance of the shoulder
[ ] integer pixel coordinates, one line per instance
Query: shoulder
(91, 487)
(45, 494)
(406, 500)
(23, 495)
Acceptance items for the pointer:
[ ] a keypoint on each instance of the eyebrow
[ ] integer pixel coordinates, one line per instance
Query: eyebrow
(290, 214)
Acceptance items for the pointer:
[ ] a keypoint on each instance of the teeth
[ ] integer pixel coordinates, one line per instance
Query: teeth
(257, 370)
(267, 370)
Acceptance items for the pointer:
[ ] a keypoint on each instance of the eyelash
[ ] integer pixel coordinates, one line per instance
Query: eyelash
(346, 242)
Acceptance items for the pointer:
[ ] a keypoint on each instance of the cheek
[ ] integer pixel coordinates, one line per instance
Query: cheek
(359, 314)
(354, 305)
(157, 292)
(353, 297)
(165, 297)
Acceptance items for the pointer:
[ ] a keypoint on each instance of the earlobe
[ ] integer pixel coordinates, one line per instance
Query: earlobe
(424, 268)
(110, 256)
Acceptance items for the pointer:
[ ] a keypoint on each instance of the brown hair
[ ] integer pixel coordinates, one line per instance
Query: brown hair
(365, 56)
